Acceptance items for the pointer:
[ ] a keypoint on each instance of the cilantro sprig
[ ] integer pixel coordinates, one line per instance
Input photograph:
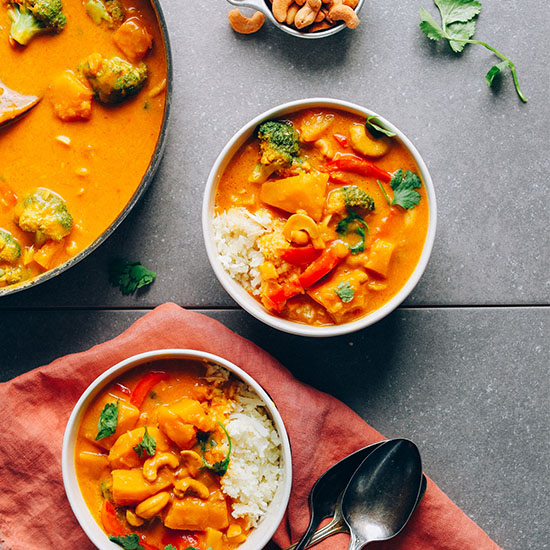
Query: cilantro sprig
(404, 187)
(373, 123)
(129, 276)
(458, 26)
(206, 443)
(108, 420)
(345, 292)
(361, 229)
(147, 445)
(128, 542)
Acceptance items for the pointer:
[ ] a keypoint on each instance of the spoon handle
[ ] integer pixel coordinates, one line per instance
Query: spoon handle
(356, 543)
(331, 528)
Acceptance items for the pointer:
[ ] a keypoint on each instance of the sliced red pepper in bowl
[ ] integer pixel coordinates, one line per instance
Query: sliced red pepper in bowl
(144, 387)
(111, 523)
(358, 165)
(299, 255)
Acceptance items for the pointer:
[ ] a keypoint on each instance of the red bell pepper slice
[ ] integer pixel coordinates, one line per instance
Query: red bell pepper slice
(144, 386)
(179, 539)
(358, 165)
(112, 525)
(299, 255)
(342, 140)
(123, 389)
(324, 264)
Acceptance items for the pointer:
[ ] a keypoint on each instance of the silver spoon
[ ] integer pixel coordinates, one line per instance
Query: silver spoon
(325, 495)
(324, 501)
(383, 493)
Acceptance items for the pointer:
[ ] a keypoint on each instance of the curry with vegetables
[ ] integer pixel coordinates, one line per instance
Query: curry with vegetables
(151, 453)
(338, 212)
(70, 163)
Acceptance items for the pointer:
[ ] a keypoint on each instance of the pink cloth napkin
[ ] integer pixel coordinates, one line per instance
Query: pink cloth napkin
(34, 512)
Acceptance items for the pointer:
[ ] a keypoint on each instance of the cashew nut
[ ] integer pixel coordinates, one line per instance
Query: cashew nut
(245, 25)
(153, 505)
(280, 9)
(191, 486)
(291, 13)
(307, 13)
(152, 465)
(341, 12)
(302, 222)
(351, 3)
(366, 145)
(133, 520)
(190, 465)
(299, 236)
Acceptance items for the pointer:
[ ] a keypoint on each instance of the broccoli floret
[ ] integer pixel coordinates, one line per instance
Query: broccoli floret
(341, 200)
(32, 17)
(9, 247)
(11, 275)
(45, 214)
(111, 11)
(279, 143)
(113, 80)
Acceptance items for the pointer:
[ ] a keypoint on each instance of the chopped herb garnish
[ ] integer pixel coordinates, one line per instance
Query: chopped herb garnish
(128, 542)
(147, 445)
(206, 443)
(105, 491)
(172, 547)
(345, 292)
(129, 276)
(404, 189)
(458, 26)
(373, 123)
(361, 229)
(108, 420)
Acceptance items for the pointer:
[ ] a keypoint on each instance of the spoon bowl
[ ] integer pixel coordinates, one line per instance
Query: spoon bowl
(14, 105)
(383, 493)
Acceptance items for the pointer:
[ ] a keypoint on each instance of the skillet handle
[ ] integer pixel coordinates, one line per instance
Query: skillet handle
(259, 5)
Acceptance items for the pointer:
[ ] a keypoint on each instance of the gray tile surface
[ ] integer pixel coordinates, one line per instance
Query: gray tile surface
(468, 382)
(469, 386)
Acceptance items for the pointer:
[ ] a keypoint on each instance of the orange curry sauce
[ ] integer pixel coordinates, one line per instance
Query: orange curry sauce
(95, 165)
(402, 232)
(167, 498)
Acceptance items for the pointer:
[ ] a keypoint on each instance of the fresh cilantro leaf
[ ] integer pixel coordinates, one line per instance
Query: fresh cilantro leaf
(128, 542)
(344, 292)
(147, 445)
(220, 467)
(404, 189)
(129, 276)
(108, 420)
(372, 122)
(494, 70)
(172, 547)
(105, 491)
(458, 27)
(361, 229)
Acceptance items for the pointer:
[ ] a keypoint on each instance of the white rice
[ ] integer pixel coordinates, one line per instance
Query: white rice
(255, 467)
(236, 232)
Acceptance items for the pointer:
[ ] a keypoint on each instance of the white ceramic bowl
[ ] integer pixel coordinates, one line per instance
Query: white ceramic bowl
(261, 5)
(260, 536)
(238, 293)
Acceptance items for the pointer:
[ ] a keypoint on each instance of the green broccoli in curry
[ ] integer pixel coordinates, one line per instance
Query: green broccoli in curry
(110, 11)
(45, 214)
(113, 80)
(10, 251)
(33, 17)
(341, 200)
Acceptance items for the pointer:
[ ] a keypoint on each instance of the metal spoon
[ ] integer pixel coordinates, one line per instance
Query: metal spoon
(383, 493)
(13, 104)
(325, 502)
(325, 494)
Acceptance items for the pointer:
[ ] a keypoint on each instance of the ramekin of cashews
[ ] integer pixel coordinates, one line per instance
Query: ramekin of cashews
(302, 18)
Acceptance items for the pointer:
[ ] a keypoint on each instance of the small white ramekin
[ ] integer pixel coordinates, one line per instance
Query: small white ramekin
(238, 293)
(260, 536)
(261, 5)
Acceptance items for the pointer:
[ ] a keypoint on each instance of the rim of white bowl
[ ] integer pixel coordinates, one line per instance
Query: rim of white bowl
(259, 536)
(239, 294)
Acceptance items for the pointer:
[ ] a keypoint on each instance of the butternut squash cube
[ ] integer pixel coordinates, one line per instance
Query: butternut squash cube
(314, 126)
(122, 454)
(305, 191)
(94, 464)
(213, 539)
(194, 514)
(71, 98)
(379, 257)
(130, 487)
(127, 417)
(133, 39)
